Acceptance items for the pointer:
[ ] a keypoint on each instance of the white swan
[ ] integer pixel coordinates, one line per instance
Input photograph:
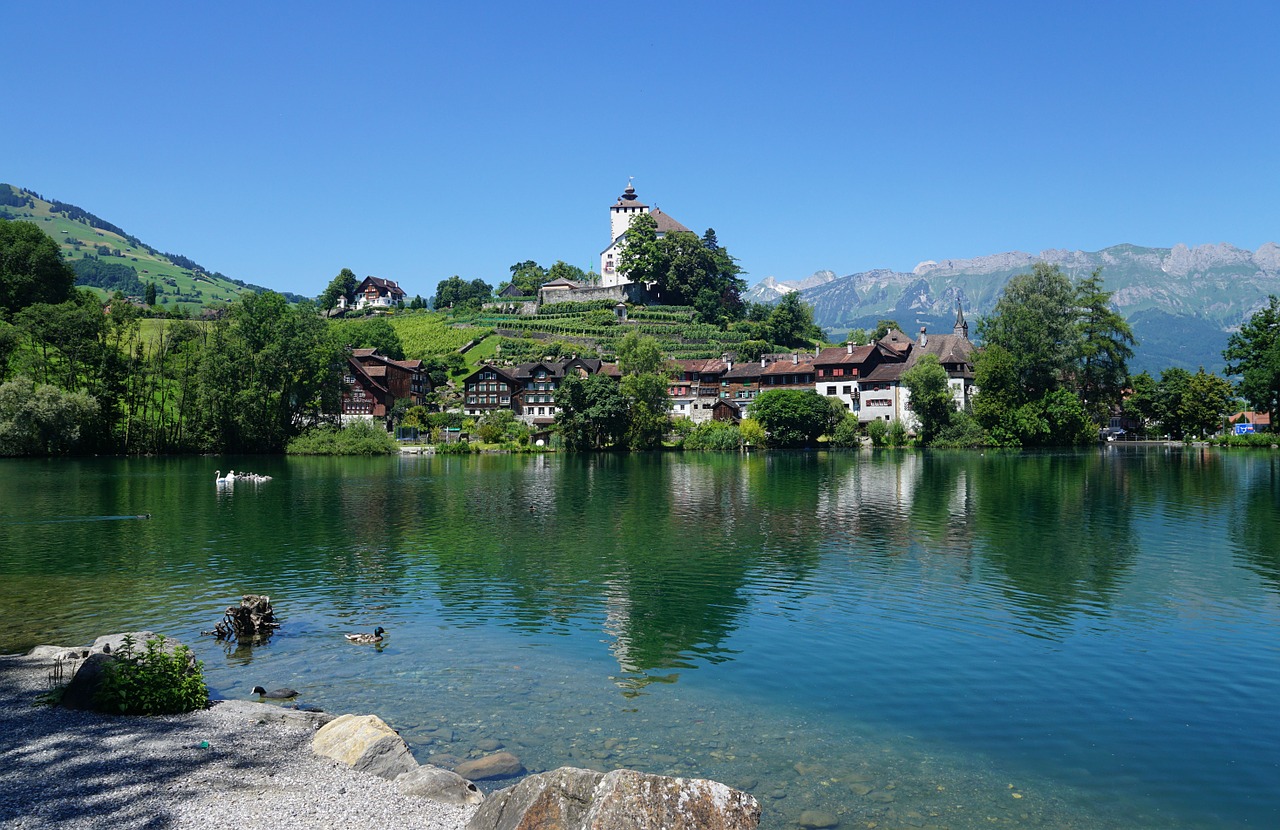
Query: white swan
(218, 477)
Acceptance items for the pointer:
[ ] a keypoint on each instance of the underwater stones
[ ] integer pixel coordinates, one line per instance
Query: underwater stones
(577, 799)
(860, 788)
(817, 819)
(488, 745)
(497, 765)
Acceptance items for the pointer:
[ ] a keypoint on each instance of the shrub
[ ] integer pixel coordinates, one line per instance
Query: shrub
(848, 433)
(878, 432)
(456, 448)
(154, 682)
(714, 435)
(359, 438)
(897, 434)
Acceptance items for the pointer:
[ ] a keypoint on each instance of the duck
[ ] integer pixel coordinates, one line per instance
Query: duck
(366, 638)
(275, 694)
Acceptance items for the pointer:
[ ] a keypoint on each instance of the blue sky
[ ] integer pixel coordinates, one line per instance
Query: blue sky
(280, 142)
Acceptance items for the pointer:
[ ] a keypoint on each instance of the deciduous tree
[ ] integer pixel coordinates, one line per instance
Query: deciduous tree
(31, 267)
(930, 396)
(1253, 353)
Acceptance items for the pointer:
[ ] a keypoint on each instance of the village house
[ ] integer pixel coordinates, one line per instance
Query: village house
(528, 389)
(695, 387)
(375, 292)
(373, 383)
(745, 381)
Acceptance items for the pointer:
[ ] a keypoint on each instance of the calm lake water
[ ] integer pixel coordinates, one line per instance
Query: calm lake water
(964, 640)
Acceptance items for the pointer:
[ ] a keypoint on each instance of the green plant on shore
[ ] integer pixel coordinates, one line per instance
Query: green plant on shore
(152, 682)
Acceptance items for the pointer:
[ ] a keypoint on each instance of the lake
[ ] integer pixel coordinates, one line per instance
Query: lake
(943, 639)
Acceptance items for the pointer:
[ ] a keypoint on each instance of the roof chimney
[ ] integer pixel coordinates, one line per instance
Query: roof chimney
(762, 361)
(924, 338)
(848, 348)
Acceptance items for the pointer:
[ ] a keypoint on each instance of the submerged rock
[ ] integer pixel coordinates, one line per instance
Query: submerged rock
(497, 765)
(577, 799)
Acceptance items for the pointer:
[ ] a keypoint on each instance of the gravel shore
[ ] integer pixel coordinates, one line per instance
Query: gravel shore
(68, 769)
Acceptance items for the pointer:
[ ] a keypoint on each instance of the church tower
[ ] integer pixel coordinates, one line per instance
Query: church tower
(961, 328)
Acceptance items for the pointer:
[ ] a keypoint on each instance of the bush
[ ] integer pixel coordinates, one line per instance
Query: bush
(848, 433)
(897, 434)
(878, 432)
(1256, 440)
(714, 435)
(963, 432)
(360, 438)
(457, 448)
(155, 682)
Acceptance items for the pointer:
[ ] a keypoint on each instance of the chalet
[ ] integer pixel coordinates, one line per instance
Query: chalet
(375, 292)
(373, 383)
(528, 389)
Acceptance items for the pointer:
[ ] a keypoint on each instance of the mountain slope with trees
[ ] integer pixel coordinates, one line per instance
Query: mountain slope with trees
(108, 259)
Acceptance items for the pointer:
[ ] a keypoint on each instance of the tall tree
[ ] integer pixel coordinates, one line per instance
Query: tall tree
(649, 403)
(883, 327)
(342, 286)
(1106, 345)
(1035, 322)
(591, 412)
(527, 276)
(791, 322)
(792, 417)
(684, 270)
(1253, 353)
(31, 267)
(456, 292)
(930, 396)
(1206, 404)
(640, 354)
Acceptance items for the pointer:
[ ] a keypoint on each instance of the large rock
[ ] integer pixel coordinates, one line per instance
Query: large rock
(267, 713)
(366, 744)
(577, 799)
(497, 765)
(438, 784)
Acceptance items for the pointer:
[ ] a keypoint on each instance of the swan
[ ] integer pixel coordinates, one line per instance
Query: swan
(365, 639)
(218, 477)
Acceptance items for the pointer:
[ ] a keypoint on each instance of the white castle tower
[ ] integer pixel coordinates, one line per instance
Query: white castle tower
(621, 214)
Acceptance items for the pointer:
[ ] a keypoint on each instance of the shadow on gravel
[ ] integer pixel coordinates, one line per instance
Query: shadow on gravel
(60, 767)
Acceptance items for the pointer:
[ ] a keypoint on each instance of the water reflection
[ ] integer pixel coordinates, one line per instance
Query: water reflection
(1255, 520)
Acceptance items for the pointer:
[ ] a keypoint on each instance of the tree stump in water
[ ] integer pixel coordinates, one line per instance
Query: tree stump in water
(254, 619)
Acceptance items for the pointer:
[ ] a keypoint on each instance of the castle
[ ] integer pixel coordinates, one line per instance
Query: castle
(621, 214)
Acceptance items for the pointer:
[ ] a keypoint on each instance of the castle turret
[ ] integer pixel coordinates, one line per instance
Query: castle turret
(624, 210)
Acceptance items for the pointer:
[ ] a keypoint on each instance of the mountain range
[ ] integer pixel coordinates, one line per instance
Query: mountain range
(1181, 302)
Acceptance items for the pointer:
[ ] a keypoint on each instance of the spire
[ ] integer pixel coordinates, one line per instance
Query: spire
(962, 326)
(628, 195)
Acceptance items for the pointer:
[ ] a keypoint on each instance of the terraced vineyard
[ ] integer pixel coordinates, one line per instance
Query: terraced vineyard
(672, 326)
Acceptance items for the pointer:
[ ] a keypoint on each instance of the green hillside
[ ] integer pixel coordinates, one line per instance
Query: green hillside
(107, 259)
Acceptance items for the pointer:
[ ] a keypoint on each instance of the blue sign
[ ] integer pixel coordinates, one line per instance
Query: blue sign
(1244, 429)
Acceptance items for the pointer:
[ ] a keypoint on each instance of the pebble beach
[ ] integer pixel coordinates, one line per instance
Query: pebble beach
(234, 765)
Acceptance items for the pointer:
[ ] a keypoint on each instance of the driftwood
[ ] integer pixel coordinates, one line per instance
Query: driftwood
(253, 619)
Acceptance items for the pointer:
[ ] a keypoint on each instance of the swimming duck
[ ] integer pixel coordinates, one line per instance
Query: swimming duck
(275, 694)
(365, 638)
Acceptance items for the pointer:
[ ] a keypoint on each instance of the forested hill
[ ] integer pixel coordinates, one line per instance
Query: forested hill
(107, 258)
(1182, 302)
